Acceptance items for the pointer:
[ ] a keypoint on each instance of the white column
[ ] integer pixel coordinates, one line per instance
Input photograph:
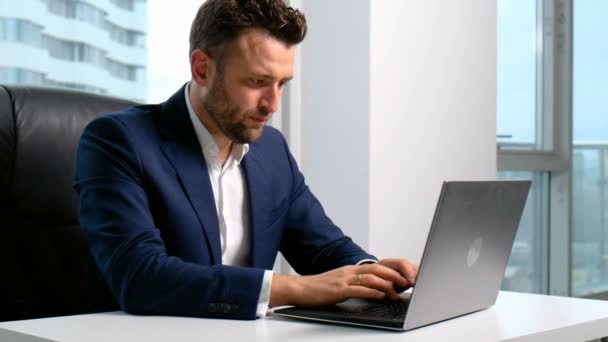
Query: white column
(397, 96)
(334, 148)
(433, 112)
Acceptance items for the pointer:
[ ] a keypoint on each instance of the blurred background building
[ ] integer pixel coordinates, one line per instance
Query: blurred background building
(94, 46)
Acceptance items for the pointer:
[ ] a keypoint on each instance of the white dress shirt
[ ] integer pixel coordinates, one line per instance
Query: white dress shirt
(231, 202)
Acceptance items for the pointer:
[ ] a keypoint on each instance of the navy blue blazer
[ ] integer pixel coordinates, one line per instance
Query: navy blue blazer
(148, 214)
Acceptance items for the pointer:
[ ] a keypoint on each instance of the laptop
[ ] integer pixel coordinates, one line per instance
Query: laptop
(462, 265)
(14, 336)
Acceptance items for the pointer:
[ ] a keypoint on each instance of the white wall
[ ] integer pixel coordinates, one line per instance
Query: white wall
(397, 96)
(334, 146)
(432, 116)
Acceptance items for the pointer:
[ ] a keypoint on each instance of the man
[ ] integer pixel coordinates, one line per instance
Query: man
(186, 204)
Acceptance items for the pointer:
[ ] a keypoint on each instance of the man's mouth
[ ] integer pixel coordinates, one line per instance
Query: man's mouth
(259, 120)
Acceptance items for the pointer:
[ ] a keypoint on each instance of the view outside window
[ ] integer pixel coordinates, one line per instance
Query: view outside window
(519, 53)
(590, 148)
(97, 47)
(168, 46)
(132, 49)
(527, 267)
(516, 78)
(517, 113)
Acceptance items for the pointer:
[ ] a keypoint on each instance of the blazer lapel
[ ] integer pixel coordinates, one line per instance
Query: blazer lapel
(257, 185)
(183, 151)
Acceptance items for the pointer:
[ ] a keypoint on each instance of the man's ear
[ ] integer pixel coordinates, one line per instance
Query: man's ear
(200, 67)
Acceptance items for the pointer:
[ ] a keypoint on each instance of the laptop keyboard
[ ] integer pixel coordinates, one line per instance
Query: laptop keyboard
(383, 309)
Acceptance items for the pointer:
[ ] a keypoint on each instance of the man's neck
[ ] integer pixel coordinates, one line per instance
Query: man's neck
(224, 144)
(223, 154)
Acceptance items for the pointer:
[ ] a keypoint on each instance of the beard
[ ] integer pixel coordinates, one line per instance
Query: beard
(228, 116)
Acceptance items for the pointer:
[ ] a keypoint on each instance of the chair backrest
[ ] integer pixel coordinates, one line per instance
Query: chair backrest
(45, 265)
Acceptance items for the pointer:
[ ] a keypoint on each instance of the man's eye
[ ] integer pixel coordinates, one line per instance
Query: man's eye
(284, 84)
(257, 81)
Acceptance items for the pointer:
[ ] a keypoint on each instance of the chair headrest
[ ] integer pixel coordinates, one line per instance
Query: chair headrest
(40, 130)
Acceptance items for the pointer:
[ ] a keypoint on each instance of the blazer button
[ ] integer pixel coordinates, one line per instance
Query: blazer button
(234, 308)
(212, 307)
(225, 308)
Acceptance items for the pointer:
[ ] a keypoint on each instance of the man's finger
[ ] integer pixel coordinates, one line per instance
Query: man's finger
(372, 281)
(365, 292)
(404, 267)
(383, 272)
(411, 272)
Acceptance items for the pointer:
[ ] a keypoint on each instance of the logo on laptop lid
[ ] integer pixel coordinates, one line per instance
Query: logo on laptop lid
(474, 252)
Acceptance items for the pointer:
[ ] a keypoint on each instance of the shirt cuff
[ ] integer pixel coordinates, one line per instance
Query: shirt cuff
(264, 298)
(367, 261)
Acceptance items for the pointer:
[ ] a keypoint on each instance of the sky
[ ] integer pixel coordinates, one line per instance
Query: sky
(517, 50)
(590, 71)
(168, 31)
(516, 69)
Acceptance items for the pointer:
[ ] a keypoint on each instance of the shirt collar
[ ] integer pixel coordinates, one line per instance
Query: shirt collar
(205, 139)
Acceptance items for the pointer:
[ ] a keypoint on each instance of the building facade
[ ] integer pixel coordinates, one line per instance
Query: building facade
(95, 46)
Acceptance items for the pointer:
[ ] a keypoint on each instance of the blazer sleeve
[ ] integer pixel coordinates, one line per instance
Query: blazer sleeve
(311, 242)
(117, 223)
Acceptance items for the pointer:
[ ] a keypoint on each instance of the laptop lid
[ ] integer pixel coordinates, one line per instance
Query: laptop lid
(467, 249)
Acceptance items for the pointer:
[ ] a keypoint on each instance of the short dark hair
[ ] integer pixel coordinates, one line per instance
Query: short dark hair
(218, 22)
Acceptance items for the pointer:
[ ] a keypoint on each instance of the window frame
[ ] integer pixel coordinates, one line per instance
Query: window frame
(554, 127)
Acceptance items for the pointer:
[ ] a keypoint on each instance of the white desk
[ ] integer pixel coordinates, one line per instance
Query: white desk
(515, 317)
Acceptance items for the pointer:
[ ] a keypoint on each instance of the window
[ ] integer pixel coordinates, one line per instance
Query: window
(516, 73)
(90, 14)
(122, 71)
(89, 54)
(125, 36)
(533, 138)
(9, 29)
(590, 150)
(124, 4)
(19, 30)
(527, 269)
(64, 8)
(60, 49)
(20, 76)
(572, 98)
(83, 11)
(123, 76)
(520, 129)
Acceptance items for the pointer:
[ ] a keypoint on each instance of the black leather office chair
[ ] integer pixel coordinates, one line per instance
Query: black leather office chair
(45, 265)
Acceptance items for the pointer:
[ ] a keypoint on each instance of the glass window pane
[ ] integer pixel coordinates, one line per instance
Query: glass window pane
(590, 71)
(590, 146)
(516, 73)
(527, 268)
(589, 249)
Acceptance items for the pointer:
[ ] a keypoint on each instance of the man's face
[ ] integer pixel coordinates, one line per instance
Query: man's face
(247, 85)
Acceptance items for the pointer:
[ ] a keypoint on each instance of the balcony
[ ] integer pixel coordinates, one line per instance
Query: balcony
(589, 218)
(528, 265)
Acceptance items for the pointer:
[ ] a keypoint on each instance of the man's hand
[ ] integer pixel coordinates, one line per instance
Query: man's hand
(373, 281)
(405, 268)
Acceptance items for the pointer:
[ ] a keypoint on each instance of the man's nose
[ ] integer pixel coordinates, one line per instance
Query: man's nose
(271, 99)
